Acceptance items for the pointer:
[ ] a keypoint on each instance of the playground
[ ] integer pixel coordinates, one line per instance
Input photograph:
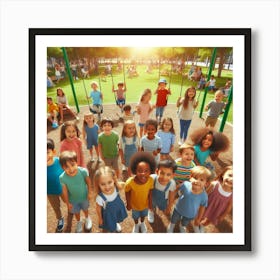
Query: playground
(137, 79)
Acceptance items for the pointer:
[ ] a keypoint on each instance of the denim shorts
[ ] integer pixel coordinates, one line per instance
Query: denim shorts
(177, 217)
(141, 124)
(137, 214)
(77, 207)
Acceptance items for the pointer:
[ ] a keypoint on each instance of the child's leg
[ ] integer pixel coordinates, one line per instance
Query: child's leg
(61, 113)
(97, 151)
(54, 201)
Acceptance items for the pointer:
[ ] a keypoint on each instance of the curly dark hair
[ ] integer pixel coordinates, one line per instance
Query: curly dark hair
(142, 157)
(220, 143)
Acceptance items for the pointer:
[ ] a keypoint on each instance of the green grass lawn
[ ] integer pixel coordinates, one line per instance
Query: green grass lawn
(136, 85)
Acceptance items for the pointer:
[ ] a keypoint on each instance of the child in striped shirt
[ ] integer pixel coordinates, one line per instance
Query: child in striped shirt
(184, 164)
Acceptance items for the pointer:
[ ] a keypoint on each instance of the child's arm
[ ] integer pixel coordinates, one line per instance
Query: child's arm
(88, 182)
(150, 200)
(210, 188)
(196, 160)
(179, 102)
(156, 152)
(127, 197)
(100, 151)
(171, 199)
(201, 211)
(121, 156)
(65, 197)
(227, 211)
(99, 214)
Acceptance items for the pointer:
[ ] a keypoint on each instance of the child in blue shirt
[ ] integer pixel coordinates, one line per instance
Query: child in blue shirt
(54, 188)
(193, 200)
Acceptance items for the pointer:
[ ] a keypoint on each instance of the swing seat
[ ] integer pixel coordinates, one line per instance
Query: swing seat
(120, 101)
(96, 109)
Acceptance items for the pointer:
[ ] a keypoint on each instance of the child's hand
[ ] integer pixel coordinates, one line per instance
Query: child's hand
(128, 206)
(196, 222)
(155, 153)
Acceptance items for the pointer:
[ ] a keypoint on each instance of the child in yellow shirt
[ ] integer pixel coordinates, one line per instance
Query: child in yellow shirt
(52, 112)
(138, 189)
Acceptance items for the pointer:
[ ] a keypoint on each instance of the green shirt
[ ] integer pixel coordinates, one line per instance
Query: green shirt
(76, 185)
(109, 144)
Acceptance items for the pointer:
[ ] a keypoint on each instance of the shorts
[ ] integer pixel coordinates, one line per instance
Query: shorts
(77, 207)
(211, 121)
(113, 162)
(176, 216)
(141, 124)
(159, 111)
(120, 101)
(136, 214)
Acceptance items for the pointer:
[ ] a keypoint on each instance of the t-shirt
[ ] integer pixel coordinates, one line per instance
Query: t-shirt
(52, 107)
(182, 173)
(167, 140)
(61, 99)
(188, 203)
(162, 97)
(53, 173)
(151, 145)
(139, 194)
(109, 144)
(96, 97)
(74, 145)
(201, 155)
(186, 113)
(111, 197)
(145, 111)
(76, 185)
(215, 108)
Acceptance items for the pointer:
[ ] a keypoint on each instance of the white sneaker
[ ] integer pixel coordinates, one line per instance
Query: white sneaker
(182, 229)
(79, 227)
(143, 227)
(77, 118)
(88, 223)
(196, 229)
(123, 167)
(119, 228)
(92, 159)
(170, 228)
(136, 228)
(151, 216)
(180, 142)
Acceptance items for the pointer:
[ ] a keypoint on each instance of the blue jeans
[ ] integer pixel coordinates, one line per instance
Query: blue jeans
(184, 127)
(159, 111)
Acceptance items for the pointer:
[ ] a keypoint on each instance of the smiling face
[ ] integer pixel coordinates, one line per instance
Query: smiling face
(130, 129)
(143, 172)
(207, 142)
(191, 93)
(187, 156)
(228, 181)
(89, 119)
(106, 184)
(71, 168)
(164, 175)
(219, 96)
(167, 125)
(151, 131)
(107, 128)
(198, 183)
(70, 133)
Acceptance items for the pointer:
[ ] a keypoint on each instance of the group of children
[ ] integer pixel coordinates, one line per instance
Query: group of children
(183, 188)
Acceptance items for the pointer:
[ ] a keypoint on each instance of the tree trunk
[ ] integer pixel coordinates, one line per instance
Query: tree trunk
(222, 52)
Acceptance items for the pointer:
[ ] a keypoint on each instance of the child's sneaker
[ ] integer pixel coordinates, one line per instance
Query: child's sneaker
(88, 223)
(170, 228)
(99, 160)
(118, 228)
(135, 228)
(77, 118)
(143, 227)
(79, 227)
(182, 229)
(92, 159)
(54, 125)
(151, 216)
(60, 224)
(196, 229)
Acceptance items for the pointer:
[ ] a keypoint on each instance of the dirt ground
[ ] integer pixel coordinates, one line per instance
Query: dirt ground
(161, 220)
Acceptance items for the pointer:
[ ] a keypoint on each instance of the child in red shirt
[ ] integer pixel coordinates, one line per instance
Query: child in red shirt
(162, 92)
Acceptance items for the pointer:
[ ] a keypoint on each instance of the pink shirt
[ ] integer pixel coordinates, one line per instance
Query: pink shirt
(145, 109)
(76, 146)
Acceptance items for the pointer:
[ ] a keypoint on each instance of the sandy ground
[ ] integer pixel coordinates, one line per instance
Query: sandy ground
(161, 220)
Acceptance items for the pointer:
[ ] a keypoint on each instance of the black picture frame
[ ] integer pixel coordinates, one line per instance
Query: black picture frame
(35, 35)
